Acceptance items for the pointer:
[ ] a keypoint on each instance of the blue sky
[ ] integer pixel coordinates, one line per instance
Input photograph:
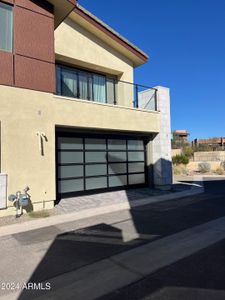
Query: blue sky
(186, 43)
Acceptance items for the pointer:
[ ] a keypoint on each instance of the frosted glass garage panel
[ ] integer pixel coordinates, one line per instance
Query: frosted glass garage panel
(136, 167)
(117, 156)
(70, 171)
(70, 157)
(95, 157)
(95, 144)
(71, 185)
(135, 145)
(137, 178)
(117, 144)
(117, 168)
(96, 183)
(136, 156)
(69, 143)
(96, 170)
(120, 180)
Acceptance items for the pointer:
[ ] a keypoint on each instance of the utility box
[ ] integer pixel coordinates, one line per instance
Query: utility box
(3, 191)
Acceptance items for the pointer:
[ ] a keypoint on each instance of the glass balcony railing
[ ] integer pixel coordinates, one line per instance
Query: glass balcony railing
(85, 85)
(136, 95)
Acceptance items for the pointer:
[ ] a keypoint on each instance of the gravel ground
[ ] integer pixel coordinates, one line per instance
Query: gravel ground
(24, 218)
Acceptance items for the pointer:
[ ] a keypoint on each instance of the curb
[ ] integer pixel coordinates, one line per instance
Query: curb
(93, 212)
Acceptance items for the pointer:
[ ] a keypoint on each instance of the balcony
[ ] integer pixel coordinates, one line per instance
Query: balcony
(83, 85)
(136, 96)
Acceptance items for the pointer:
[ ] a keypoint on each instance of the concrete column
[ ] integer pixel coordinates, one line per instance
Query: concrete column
(3, 185)
(159, 148)
(161, 144)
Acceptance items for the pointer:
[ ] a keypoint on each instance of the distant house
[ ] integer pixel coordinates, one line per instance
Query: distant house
(213, 143)
(181, 134)
(179, 138)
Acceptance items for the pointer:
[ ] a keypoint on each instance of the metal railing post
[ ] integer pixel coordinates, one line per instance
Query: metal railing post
(114, 91)
(136, 88)
(156, 100)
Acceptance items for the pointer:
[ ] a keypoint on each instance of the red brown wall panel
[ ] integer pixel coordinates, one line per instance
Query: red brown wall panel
(34, 74)
(33, 35)
(39, 6)
(31, 65)
(6, 67)
(34, 45)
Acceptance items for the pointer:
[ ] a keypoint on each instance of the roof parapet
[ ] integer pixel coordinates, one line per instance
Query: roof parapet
(62, 8)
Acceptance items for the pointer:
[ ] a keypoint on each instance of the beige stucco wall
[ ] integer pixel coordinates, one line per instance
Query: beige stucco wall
(77, 46)
(24, 113)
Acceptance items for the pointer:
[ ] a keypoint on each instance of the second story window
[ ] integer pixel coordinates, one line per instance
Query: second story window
(6, 27)
(85, 85)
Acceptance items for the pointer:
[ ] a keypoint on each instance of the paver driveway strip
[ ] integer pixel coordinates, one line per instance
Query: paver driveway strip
(91, 212)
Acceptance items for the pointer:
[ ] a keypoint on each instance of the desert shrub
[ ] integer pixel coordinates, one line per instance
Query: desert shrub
(39, 214)
(203, 147)
(176, 170)
(204, 167)
(179, 170)
(188, 151)
(219, 171)
(180, 159)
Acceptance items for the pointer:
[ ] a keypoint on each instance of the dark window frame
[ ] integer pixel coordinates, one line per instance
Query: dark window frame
(90, 75)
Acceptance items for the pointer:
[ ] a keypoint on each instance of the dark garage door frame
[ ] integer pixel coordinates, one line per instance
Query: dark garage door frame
(105, 136)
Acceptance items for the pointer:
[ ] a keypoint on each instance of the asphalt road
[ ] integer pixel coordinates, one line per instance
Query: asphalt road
(200, 276)
(46, 253)
(74, 249)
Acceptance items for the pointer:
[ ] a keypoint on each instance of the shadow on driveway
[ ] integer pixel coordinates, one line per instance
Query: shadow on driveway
(73, 250)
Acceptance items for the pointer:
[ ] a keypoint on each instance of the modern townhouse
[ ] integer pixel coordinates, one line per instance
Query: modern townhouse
(72, 121)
